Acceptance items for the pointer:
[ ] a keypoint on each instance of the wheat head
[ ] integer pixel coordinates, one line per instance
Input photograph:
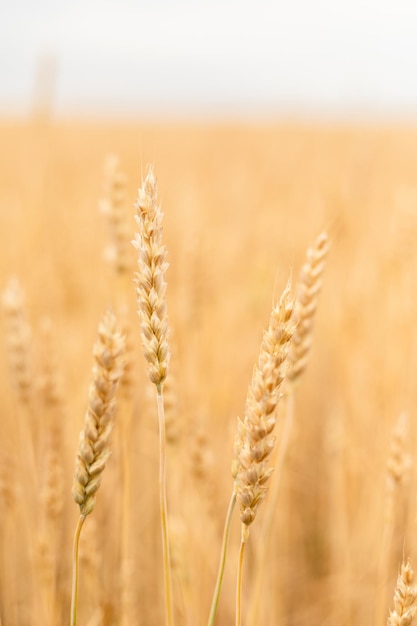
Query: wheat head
(150, 280)
(94, 447)
(254, 441)
(308, 289)
(404, 598)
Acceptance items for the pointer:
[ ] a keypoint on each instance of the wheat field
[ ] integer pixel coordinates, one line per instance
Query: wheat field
(242, 204)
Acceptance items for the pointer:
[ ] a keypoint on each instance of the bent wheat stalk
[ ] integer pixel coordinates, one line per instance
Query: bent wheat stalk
(94, 446)
(152, 309)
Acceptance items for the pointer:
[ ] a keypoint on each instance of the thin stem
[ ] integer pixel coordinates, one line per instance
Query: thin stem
(223, 554)
(126, 491)
(273, 507)
(75, 570)
(169, 613)
(384, 555)
(239, 584)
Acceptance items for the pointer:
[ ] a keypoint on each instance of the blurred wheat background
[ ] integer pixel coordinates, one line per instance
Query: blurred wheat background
(241, 204)
(243, 198)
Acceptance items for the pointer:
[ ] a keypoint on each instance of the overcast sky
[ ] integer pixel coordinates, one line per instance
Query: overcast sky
(222, 56)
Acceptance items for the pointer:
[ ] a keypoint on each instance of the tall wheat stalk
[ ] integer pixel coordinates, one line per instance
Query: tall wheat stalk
(152, 309)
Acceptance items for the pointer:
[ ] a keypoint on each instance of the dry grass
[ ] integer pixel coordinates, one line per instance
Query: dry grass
(241, 206)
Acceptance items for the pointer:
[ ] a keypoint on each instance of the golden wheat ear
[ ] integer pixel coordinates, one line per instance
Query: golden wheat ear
(308, 289)
(114, 204)
(150, 280)
(255, 441)
(405, 596)
(18, 340)
(94, 447)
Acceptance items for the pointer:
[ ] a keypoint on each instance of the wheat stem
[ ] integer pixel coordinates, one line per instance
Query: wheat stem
(223, 555)
(75, 571)
(239, 582)
(169, 613)
(253, 612)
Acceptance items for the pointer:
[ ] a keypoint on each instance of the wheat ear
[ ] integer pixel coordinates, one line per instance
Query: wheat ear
(308, 289)
(94, 446)
(152, 309)
(307, 292)
(19, 344)
(405, 595)
(114, 205)
(255, 441)
(398, 464)
(19, 340)
(150, 280)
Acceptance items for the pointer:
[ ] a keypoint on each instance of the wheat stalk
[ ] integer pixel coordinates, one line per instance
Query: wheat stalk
(152, 309)
(94, 446)
(305, 305)
(255, 441)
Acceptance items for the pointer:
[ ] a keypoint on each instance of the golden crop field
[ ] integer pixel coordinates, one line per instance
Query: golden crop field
(242, 204)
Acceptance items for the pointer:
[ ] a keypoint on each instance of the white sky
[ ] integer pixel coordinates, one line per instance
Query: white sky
(184, 56)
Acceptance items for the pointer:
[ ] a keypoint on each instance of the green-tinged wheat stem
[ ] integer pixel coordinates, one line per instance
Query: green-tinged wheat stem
(222, 564)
